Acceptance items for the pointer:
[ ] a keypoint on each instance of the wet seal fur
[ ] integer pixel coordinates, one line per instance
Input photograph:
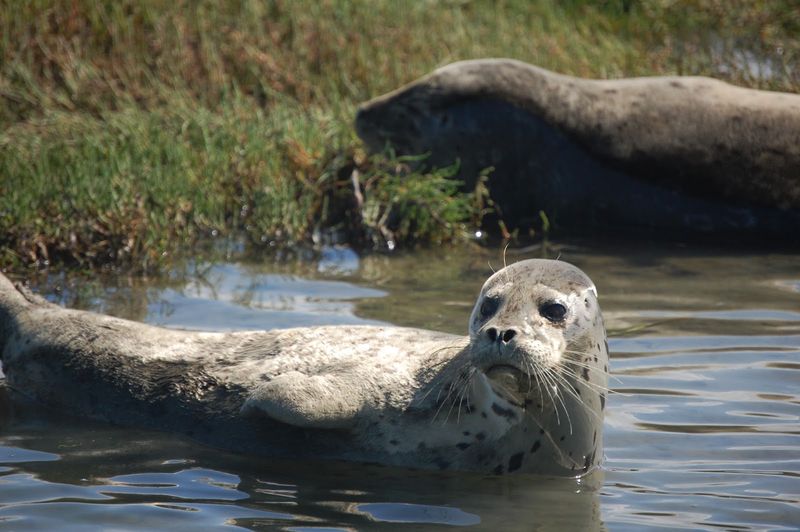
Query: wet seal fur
(524, 392)
(671, 154)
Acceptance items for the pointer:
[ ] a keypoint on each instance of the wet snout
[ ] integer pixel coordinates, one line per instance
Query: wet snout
(505, 373)
(500, 341)
(503, 336)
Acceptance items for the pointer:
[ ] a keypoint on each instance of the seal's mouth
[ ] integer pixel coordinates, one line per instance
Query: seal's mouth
(509, 382)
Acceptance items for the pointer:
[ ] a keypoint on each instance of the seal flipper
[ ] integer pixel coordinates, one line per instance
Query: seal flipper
(306, 401)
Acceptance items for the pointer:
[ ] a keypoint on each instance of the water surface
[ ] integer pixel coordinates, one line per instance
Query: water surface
(703, 431)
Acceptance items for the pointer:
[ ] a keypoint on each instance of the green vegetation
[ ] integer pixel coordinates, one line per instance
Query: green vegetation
(134, 129)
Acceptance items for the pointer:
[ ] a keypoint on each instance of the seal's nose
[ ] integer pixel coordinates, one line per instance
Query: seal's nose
(504, 336)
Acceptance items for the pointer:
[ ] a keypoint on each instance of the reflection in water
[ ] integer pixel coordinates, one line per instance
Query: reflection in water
(393, 512)
(703, 429)
(262, 301)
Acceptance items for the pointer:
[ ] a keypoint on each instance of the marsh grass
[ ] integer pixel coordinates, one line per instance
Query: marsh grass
(132, 186)
(130, 130)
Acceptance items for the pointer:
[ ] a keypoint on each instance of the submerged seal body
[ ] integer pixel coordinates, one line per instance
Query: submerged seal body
(525, 391)
(673, 154)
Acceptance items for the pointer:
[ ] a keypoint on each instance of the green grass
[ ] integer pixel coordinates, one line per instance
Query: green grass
(131, 130)
(132, 186)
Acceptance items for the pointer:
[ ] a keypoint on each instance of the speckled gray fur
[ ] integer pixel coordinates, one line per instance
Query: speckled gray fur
(528, 401)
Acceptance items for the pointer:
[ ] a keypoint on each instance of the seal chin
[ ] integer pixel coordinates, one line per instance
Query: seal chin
(509, 382)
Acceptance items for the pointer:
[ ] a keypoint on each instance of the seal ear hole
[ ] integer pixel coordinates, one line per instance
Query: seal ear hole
(554, 312)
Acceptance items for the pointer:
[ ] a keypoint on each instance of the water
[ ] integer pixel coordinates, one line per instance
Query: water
(703, 432)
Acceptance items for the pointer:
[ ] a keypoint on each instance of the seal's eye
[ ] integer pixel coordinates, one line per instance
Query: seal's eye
(555, 312)
(489, 306)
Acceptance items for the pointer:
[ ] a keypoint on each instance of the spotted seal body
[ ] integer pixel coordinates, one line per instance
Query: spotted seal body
(678, 155)
(524, 392)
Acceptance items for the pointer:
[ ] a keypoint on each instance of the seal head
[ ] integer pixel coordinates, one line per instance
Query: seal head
(528, 391)
(521, 329)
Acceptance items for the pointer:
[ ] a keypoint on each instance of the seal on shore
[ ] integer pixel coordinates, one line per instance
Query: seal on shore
(676, 154)
(524, 392)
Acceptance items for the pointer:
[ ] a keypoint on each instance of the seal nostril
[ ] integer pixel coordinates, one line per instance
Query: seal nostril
(491, 332)
(508, 335)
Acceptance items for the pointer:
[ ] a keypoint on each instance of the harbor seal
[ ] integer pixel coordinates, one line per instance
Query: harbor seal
(523, 392)
(668, 155)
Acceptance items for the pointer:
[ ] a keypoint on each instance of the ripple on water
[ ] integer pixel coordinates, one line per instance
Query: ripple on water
(790, 285)
(724, 439)
(12, 455)
(81, 516)
(258, 301)
(195, 497)
(702, 431)
(185, 484)
(392, 512)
